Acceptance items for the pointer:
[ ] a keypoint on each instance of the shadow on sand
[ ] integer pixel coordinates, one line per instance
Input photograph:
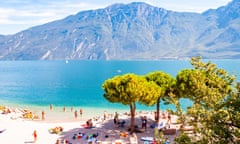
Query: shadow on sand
(106, 132)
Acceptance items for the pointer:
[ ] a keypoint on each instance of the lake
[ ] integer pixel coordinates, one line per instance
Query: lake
(78, 83)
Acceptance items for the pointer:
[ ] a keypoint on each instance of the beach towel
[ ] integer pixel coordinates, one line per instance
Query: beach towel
(86, 126)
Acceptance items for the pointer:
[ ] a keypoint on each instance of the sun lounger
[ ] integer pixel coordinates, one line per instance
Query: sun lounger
(147, 139)
(169, 131)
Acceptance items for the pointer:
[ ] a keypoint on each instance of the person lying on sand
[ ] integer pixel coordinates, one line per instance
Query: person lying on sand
(1, 131)
(56, 130)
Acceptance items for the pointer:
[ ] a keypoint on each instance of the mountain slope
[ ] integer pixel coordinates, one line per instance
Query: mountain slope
(132, 31)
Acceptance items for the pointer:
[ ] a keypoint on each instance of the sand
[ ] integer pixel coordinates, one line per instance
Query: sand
(16, 130)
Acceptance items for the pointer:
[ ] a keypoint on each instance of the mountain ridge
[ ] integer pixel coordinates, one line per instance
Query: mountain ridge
(130, 32)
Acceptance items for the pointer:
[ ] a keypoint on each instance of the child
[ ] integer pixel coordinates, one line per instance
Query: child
(35, 136)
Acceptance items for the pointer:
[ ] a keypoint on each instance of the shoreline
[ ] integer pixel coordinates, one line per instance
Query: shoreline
(22, 129)
(67, 114)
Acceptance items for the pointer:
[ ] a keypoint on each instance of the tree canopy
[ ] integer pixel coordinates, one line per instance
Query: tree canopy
(165, 82)
(208, 87)
(129, 89)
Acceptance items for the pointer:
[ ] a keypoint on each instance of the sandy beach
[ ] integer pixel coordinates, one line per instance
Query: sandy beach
(16, 130)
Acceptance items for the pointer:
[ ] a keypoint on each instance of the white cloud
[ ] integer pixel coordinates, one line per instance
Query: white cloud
(5, 15)
(16, 15)
(30, 15)
(35, 12)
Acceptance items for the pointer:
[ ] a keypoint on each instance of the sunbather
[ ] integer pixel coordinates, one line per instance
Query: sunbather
(89, 123)
(1, 131)
(56, 130)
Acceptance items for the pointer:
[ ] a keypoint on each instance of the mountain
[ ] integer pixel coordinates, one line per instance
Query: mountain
(135, 31)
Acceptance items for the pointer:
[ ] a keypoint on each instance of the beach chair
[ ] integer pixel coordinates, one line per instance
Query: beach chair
(147, 140)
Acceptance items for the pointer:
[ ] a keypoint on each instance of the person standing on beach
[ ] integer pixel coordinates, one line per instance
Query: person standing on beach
(104, 115)
(43, 115)
(51, 106)
(169, 119)
(75, 114)
(115, 120)
(81, 112)
(35, 136)
(144, 122)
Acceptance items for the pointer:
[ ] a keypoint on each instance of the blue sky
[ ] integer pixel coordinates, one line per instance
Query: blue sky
(18, 15)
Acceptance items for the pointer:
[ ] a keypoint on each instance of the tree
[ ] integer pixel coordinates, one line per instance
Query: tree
(232, 106)
(209, 88)
(165, 82)
(129, 89)
(224, 122)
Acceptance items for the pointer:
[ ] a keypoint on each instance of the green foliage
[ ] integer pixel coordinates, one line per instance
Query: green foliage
(225, 124)
(129, 89)
(183, 139)
(159, 136)
(165, 83)
(211, 91)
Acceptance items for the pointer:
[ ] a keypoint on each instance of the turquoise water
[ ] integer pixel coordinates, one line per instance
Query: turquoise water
(78, 83)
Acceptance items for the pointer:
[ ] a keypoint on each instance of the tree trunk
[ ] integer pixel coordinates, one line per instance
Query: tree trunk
(158, 109)
(132, 111)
